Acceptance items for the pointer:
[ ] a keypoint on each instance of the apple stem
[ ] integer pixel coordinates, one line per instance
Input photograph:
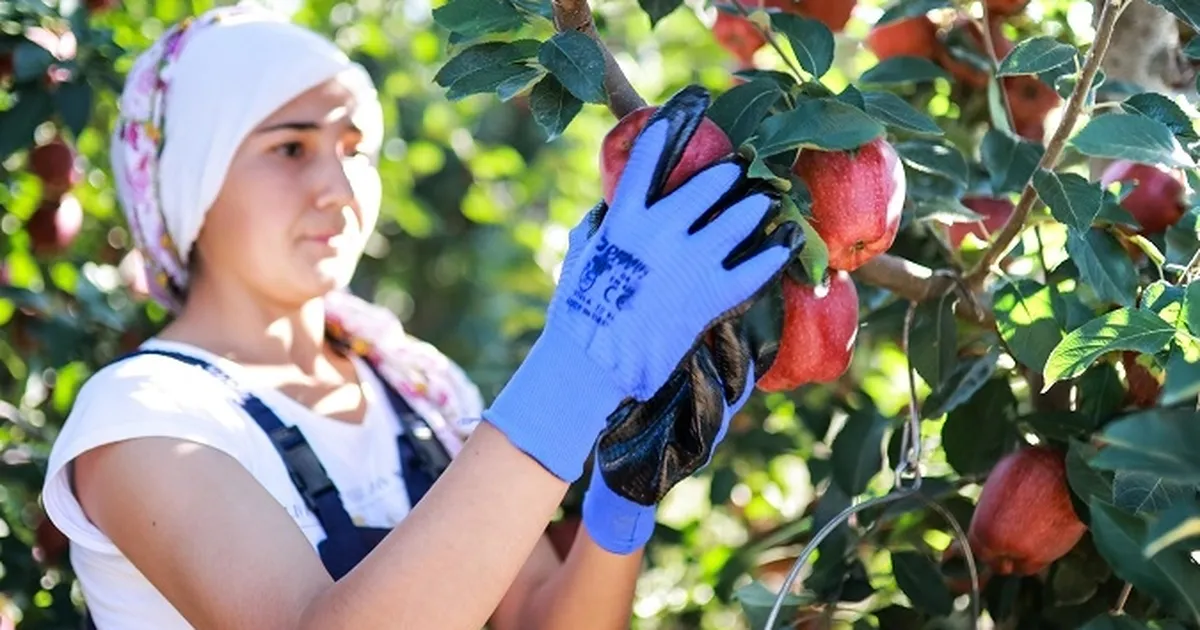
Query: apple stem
(1122, 599)
(770, 36)
(1110, 12)
(576, 15)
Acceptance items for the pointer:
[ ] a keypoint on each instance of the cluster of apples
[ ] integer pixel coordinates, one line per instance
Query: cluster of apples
(1030, 100)
(857, 201)
(59, 216)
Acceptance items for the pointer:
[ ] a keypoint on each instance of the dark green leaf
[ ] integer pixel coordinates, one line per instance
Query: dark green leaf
(1190, 313)
(1072, 200)
(1193, 48)
(899, 70)
(472, 18)
(30, 61)
(935, 157)
(786, 81)
(858, 450)
(739, 111)
(1036, 55)
(1009, 161)
(1100, 393)
(483, 67)
(933, 341)
(1059, 425)
(577, 61)
(815, 255)
(1132, 137)
(553, 106)
(853, 96)
(1164, 110)
(901, 9)
(1104, 266)
(1179, 523)
(1186, 10)
(812, 41)
(1122, 329)
(923, 186)
(1143, 493)
(893, 111)
(757, 600)
(942, 209)
(1111, 212)
(1183, 373)
(1025, 319)
(1114, 622)
(821, 124)
(518, 82)
(976, 435)
(1168, 576)
(1077, 576)
(961, 385)
(1162, 442)
(1086, 482)
(658, 9)
(922, 582)
(18, 123)
(74, 104)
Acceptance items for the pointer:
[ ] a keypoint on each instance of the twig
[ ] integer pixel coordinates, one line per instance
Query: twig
(990, 45)
(770, 37)
(1110, 13)
(1122, 599)
(1191, 268)
(576, 15)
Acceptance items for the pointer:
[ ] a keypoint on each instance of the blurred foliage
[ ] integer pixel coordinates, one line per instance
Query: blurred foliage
(477, 204)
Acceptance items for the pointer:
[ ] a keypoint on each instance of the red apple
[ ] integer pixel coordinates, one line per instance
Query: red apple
(739, 36)
(55, 224)
(707, 145)
(54, 164)
(995, 214)
(1158, 201)
(820, 326)
(911, 37)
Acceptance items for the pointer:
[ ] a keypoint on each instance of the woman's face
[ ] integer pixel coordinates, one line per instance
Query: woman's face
(298, 203)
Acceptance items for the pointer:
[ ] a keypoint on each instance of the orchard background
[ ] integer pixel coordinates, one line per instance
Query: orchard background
(1040, 293)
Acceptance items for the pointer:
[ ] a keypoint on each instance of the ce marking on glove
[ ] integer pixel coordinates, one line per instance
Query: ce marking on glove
(608, 282)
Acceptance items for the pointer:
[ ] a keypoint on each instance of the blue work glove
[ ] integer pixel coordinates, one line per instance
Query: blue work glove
(656, 273)
(622, 526)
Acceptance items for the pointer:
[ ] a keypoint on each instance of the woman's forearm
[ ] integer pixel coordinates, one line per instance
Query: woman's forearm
(593, 589)
(450, 562)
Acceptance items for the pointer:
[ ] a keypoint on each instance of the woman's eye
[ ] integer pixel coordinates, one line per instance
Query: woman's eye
(290, 149)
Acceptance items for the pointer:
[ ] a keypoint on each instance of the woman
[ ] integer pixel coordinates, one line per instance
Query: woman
(258, 464)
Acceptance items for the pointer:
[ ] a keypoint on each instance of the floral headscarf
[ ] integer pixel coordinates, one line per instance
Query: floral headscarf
(165, 190)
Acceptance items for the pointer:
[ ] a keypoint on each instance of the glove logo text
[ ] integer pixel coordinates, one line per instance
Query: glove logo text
(608, 282)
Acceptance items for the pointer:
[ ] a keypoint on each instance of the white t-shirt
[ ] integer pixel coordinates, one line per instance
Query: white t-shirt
(153, 395)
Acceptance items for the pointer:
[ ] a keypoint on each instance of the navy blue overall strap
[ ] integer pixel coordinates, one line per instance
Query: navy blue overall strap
(308, 475)
(422, 455)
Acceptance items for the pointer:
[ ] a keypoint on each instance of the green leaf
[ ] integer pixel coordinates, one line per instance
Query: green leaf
(858, 450)
(1114, 622)
(1009, 161)
(1186, 10)
(739, 111)
(932, 156)
(942, 209)
(1144, 493)
(922, 582)
(518, 82)
(1073, 200)
(472, 18)
(1168, 576)
(1132, 137)
(1036, 55)
(976, 435)
(903, 69)
(484, 67)
(811, 40)
(74, 104)
(1179, 523)
(961, 385)
(577, 61)
(1122, 329)
(18, 123)
(30, 61)
(1103, 265)
(1059, 425)
(658, 9)
(1161, 442)
(757, 600)
(1026, 321)
(901, 9)
(1100, 393)
(821, 124)
(1086, 482)
(933, 341)
(852, 96)
(923, 186)
(553, 106)
(1193, 48)
(893, 111)
(997, 111)
(1183, 373)
(815, 255)
(1158, 107)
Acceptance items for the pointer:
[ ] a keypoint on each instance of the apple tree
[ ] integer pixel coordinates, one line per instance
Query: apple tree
(983, 410)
